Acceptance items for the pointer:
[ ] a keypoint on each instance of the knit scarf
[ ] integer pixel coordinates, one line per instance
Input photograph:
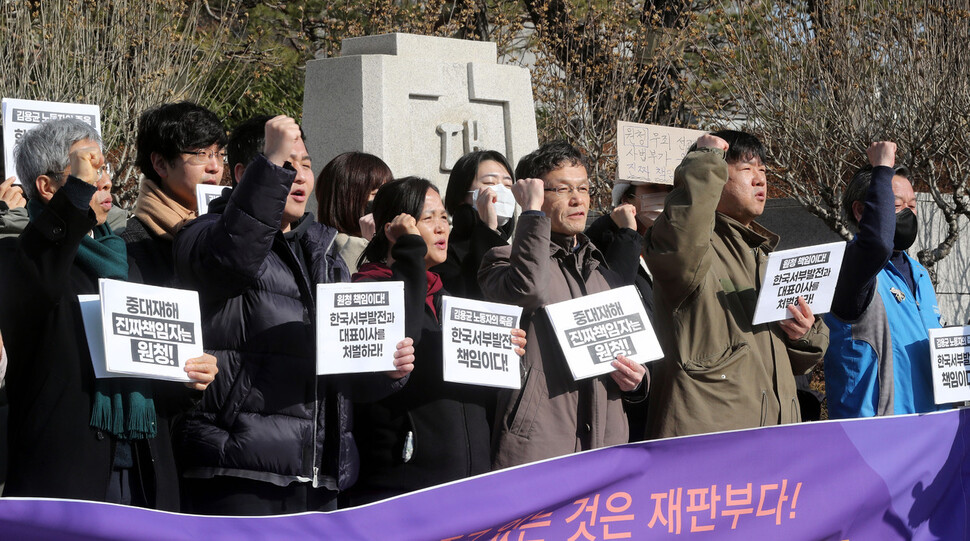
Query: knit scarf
(381, 272)
(122, 406)
(161, 214)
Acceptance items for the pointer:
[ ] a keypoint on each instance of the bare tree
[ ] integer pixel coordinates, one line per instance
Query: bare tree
(123, 55)
(819, 80)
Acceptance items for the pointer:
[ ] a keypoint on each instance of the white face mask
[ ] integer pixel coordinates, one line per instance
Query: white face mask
(651, 205)
(504, 202)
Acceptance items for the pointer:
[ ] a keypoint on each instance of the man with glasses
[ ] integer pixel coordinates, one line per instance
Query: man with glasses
(549, 261)
(707, 256)
(179, 145)
(71, 435)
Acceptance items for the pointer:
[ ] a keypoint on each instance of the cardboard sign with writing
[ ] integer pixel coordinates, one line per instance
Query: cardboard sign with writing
(594, 329)
(146, 331)
(950, 360)
(477, 342)
(205, 193)
(21, 116)
(810, 272)
(358, 326)
(650, 153)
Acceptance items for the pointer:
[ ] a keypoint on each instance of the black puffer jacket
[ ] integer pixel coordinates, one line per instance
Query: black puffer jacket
(267, 416)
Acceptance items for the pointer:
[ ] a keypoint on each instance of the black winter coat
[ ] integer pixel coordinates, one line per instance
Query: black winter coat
(447, 421)
(470, 239)
(267, 416)
(151, 255)
(54, 452)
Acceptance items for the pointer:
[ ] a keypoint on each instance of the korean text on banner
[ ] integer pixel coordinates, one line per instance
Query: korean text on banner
(650, 153)
(21, 116)
(810, 272)
(358, 326)
(477, 342)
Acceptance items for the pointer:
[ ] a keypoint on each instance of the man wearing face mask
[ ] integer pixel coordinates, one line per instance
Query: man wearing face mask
(878, 361)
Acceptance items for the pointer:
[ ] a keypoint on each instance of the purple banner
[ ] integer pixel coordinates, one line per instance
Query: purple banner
(886, 478)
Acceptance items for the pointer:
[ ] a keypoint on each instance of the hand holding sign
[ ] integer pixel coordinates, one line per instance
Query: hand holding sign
(519, 341)
(12, 195)
(403, 359)
(801, 322)
(202, 370)
(628, 374)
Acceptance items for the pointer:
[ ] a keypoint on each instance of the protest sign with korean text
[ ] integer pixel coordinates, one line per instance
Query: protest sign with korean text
(810, 272)
(21, 116)
(594, 329)
(358, 326)
(650, 153)
(950, 361)
(205, 194)
(477, 342)
(149, 331)
(94, 333)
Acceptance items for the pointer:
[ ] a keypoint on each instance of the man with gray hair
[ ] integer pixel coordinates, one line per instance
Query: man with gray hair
(71, 435)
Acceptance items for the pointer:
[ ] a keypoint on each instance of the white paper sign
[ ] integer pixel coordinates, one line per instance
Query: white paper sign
(950, 361)
(358, 326)
(21, 116)
(650, 153)
(94, 332)
(594, 329)
(149, 331)
(810, 272)
(205, 193)
(477, 342)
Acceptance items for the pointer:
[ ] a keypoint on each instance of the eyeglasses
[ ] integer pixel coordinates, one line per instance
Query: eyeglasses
(103, 171)
(562, 191)
(202, 157)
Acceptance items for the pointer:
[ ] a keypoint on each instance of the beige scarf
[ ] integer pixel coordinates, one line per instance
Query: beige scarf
(161, 214)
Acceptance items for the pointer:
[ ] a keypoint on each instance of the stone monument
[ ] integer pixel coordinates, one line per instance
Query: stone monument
(417, 102)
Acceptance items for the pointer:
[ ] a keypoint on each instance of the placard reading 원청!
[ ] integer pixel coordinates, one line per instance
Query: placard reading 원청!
(950, 360)
(650, 153)
(149, 331)
(358, 326)
(21, 116)
(810, 272)
(477, 342)
(594, 329)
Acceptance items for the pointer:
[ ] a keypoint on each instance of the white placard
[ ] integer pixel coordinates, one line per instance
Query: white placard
(94, 332)
(476, 342)
(650, 153)
(594, 329)
(358, 326)
(950, 361)
(149, 331)
(810, 272)
(205, 193)
(21, 116)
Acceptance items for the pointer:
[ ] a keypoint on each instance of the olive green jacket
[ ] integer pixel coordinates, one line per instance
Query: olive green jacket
(720, 372)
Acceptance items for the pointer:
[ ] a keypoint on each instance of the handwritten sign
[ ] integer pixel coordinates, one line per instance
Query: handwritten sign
(205, 194)
(950, 358)
(21, 116)
(358, 326)
(141, 330)
(477, 342)
(594, 329)
(810, 272)
(650, 153)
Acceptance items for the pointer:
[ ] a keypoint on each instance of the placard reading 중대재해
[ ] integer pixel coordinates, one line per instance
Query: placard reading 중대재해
(205, 194)
(477, 342)
(950, 362)
(358, 326)
(650, 153)
(149, 331)
(21, 116)
(594, 329)
(810, 272)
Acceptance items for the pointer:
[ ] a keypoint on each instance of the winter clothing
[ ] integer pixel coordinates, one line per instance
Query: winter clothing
(350, 248)
(878, 362)
(552, 414)
(720, 372)
(432, 431)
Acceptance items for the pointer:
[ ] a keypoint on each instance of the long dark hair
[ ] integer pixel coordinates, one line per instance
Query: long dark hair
(344, 186)
(400, 196)
(463, 174)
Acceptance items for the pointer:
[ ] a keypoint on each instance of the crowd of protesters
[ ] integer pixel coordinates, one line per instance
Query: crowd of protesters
(258, 432)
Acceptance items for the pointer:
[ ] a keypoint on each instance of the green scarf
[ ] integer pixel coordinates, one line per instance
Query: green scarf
(122, 406)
